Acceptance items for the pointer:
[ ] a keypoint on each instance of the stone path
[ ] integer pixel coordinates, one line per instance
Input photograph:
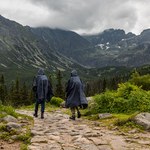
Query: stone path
(57, 132)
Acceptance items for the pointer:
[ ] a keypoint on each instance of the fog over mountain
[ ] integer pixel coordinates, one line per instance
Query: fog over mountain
(81, 16)
(56, 48)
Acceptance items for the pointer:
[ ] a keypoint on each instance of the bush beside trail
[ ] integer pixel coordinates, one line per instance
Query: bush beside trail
(56, 101)
(128, 98)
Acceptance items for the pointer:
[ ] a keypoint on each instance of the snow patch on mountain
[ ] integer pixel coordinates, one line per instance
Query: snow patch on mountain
(3, 65)
(100, 45)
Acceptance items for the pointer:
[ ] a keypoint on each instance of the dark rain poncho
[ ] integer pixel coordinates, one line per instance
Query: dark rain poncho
(42, 87)
(75, 93)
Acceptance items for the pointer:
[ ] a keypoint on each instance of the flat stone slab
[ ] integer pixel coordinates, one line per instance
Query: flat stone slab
(39, 139)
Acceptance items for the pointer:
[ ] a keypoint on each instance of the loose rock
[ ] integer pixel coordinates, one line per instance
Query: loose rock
(9, 118)
(143, 119)
(105, 115)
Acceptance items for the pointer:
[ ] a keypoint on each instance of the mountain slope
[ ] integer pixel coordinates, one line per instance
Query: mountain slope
(110, 36)
(24, 49)
(66, 42)
(114, 47)
(22, 52)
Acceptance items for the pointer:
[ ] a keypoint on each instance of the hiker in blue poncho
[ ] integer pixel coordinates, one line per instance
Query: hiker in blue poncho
(75, 95)
(43, 91)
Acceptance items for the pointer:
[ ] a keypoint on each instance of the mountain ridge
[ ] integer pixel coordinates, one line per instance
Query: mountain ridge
(26, 48)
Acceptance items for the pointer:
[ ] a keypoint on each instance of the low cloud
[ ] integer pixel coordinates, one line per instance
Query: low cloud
(82, 16)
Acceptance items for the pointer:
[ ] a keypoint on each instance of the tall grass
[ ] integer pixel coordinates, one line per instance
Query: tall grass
(7, 110)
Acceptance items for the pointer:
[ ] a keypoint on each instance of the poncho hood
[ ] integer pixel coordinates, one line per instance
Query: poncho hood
(74, 73)
(41, 71)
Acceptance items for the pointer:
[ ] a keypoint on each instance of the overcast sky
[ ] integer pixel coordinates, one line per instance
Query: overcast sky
(82, 16)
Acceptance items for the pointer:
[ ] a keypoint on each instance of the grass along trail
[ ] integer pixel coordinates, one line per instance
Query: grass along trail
(57, 132)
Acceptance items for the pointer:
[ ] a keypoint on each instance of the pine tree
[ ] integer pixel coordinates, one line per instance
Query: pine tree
(3, 89)
(31, 97)
(87, 89)
(59, 88)
(11, 93)
(2, 81)
(99, 85)
(50, 79)
(17, 85)
(50, 82)
(24, 95)
(15, 93)
(135, 74)
(104, 85)
(113, 83)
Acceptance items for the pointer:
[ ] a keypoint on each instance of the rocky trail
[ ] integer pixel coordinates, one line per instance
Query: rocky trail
(57, 132)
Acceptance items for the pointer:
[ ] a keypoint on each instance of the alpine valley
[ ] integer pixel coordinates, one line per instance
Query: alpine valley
(24, 49)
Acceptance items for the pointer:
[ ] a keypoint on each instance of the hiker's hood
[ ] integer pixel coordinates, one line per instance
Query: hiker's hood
(41, 71)
(74, 73)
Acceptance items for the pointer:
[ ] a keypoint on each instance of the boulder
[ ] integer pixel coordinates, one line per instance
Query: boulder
(13, 125)
(89, 98)
(143, 119)
(63, 104)
(104, 115)
(14, 137)
(9, 118)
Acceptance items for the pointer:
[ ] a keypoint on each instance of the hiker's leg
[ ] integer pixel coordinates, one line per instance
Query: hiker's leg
(73, 113)
(78, 112)
(42, 108)
(36, 108)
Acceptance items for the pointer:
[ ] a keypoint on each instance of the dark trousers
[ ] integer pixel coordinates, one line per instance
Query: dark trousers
(42, 102)
(73, 110)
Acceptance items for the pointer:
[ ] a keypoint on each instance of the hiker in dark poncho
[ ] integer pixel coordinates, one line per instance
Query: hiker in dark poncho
(43, 91)
(75, 95)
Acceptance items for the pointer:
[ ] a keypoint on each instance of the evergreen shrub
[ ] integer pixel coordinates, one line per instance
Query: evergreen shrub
(143, 81)
(128, 98)
(56, 101)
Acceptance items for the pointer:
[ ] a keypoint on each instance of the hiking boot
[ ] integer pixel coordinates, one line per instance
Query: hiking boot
(72, 117)
(42, 115)
(79, 115)
(35, 114)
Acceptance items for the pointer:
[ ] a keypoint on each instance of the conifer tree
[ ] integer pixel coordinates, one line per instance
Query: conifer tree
(2, 80)
(11, 93)
(50, 79)
(31, 97)
(59, 88)
(100, 86)
(113, 83)
(87, 89)
(15, 93)
(2, 90)
(24, 95)
(104, 85)
(135, 74)
(50, 82)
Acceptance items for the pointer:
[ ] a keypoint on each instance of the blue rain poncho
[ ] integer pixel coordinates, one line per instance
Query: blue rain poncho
(42, 86)
(75, 94)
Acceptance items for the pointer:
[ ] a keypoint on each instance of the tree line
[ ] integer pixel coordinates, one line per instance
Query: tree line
(18, 94)
(102, 84)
